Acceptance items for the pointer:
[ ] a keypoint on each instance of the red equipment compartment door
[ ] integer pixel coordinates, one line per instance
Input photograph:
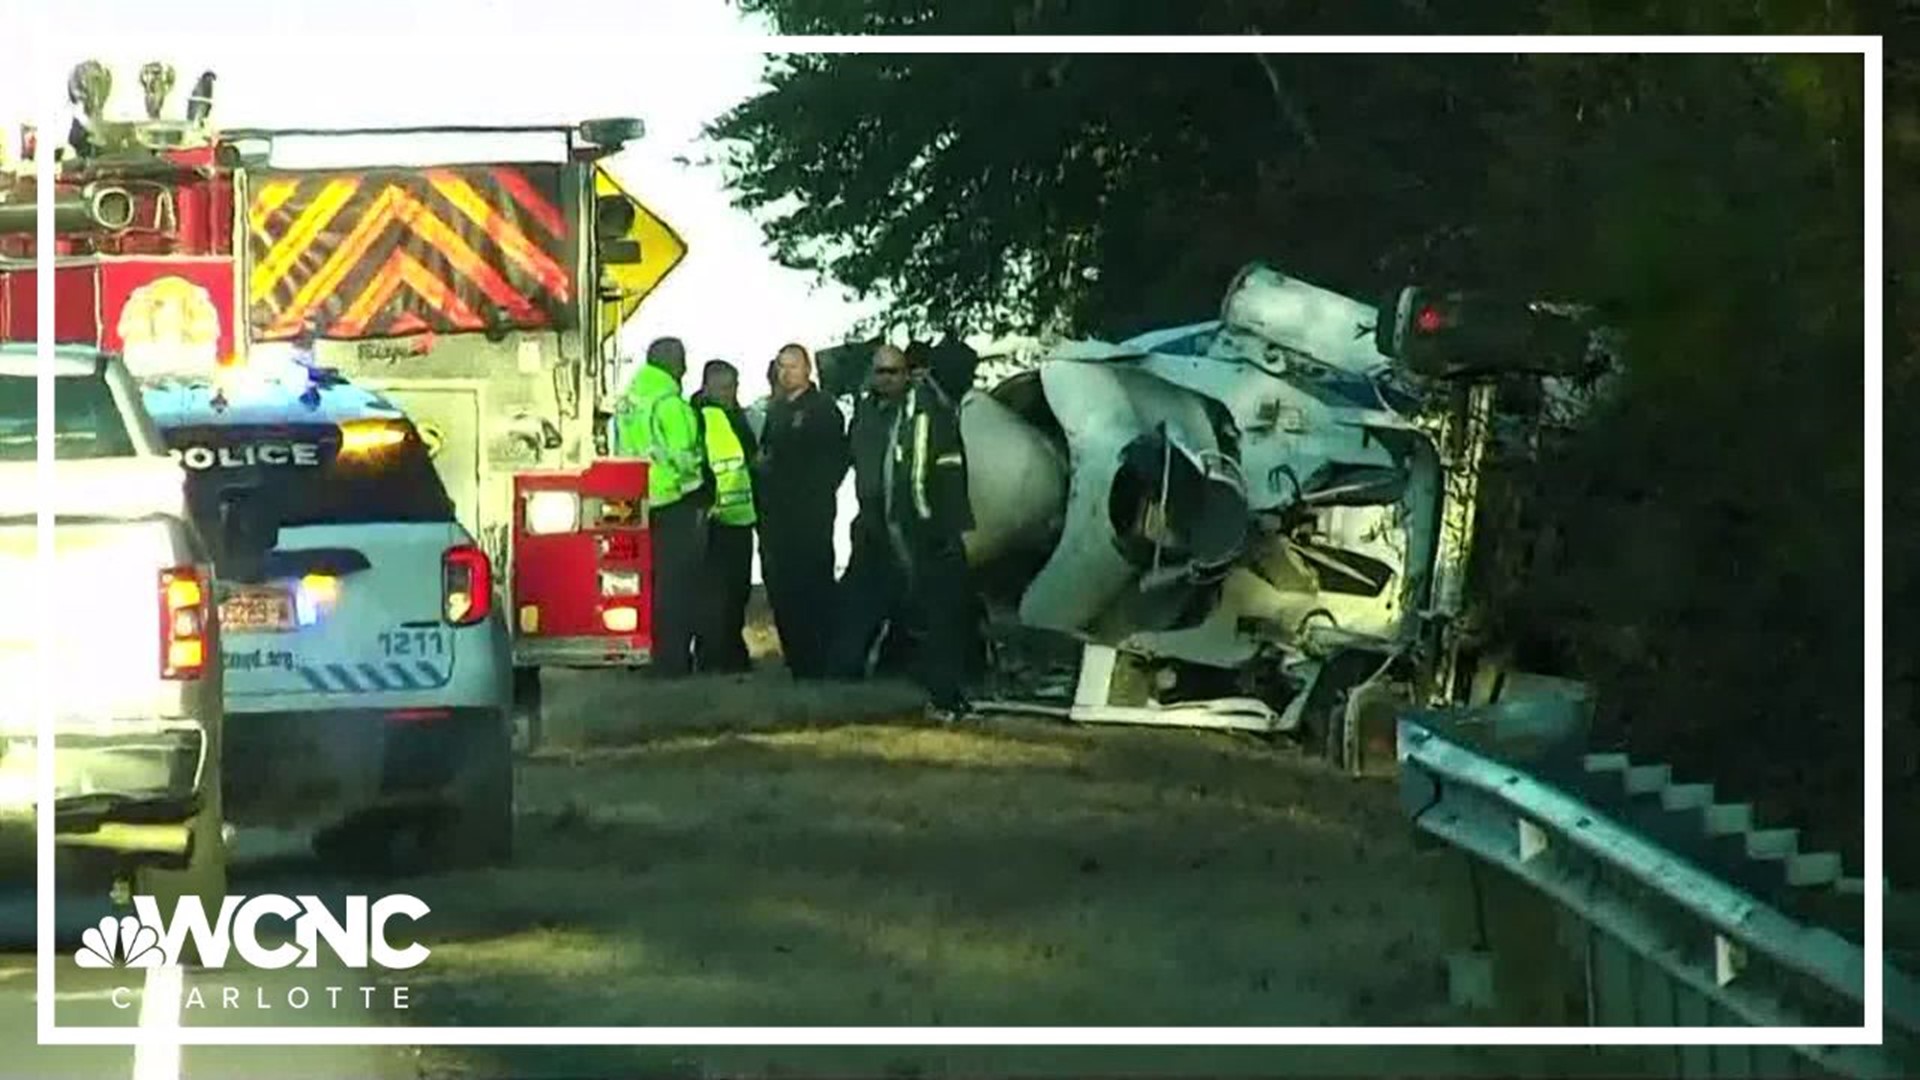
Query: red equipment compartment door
(582, 578)
(76, 304)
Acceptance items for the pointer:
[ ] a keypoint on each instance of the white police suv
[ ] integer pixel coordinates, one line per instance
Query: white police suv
(368, 666)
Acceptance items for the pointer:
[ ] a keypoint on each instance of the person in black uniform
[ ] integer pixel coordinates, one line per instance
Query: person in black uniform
(928, 514)
(871, 590)
(803, 457)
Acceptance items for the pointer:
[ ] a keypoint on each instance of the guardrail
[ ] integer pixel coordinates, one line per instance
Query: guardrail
(1665, 906)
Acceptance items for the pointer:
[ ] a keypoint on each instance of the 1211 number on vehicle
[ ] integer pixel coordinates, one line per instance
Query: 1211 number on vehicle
(413, 643)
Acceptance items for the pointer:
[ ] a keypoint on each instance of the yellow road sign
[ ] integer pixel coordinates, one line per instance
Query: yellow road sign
(661, 250)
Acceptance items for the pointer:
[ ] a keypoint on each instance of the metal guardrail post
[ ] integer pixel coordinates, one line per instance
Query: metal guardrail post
(1657, 940)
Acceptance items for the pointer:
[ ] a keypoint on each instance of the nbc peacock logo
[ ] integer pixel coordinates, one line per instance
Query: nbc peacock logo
(125, 942)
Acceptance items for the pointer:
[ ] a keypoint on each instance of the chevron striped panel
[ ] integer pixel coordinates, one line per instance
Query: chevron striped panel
(386, 252)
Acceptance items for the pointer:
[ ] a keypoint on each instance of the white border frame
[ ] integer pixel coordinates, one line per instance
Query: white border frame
(52, 125)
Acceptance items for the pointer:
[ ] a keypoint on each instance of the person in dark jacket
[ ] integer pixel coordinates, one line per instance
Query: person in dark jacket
(731, 449)
(870, 592)
(803, 457)
(928, 516)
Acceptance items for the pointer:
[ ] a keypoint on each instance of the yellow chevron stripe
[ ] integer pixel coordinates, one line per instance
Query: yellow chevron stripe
(351, 250)
(402, 269)
(378, 291)
(467, 262)
(396, 203)
(318, 214)
(502, 229)
(268, 198)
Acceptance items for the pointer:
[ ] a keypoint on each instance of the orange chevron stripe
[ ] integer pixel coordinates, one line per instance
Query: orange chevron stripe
(503, 231)
(402, 269)
(318, 214)
(353, 248)
(373, 297)
(467, 261)
(407, 323)
(438, 293)
(268, 198)
(530, 199)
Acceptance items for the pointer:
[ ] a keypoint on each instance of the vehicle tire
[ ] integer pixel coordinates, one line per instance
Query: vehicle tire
(478, 830)
(528, 714)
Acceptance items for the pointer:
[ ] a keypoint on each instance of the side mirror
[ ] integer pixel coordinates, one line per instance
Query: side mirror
(612, 132)
(249, 529)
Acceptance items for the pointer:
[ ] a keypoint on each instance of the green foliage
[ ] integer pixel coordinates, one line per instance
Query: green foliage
(1901, 329)
(1712, 204)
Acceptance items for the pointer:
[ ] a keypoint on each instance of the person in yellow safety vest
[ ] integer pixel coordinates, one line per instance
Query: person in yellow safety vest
(731, 451)
(656, 423)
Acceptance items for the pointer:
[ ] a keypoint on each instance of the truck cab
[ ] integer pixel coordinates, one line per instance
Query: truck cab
(127, 643)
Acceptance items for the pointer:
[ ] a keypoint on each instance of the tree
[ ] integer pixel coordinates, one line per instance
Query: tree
(1110, 192)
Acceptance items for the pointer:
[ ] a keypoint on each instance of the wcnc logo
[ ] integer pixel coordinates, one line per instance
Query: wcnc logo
(145, 939)
(119, 943)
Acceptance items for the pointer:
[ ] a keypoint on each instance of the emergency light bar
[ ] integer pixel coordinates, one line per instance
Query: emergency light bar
(264, 364)
(593, 138)
(368, 436)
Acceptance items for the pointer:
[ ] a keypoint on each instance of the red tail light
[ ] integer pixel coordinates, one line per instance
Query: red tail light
(467, 585)
(184, 624)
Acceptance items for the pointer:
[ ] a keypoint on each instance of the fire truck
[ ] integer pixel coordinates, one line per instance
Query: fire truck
(484, 299)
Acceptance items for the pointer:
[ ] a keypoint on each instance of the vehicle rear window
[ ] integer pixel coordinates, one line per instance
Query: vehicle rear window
(310, 481)
(86, 422)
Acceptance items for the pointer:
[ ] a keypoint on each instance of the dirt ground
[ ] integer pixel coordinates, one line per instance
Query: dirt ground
(751, 852)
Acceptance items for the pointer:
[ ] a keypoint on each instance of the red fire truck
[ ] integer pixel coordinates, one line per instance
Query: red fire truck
(484, 299)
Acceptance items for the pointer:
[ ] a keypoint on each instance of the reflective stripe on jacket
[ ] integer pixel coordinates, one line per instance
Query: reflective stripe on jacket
(732, 480)
(926, 468)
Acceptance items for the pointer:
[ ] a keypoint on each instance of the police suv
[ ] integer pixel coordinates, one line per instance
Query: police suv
(368, 665)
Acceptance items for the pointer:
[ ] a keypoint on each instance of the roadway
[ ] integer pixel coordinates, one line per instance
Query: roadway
(749, 852)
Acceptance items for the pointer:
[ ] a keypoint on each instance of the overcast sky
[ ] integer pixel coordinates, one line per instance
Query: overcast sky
(346, 63)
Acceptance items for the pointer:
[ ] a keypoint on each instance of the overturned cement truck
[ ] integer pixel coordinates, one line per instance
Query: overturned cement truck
(1270, 521)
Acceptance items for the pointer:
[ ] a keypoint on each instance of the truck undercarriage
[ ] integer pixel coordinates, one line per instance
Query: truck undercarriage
(1290, 520)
